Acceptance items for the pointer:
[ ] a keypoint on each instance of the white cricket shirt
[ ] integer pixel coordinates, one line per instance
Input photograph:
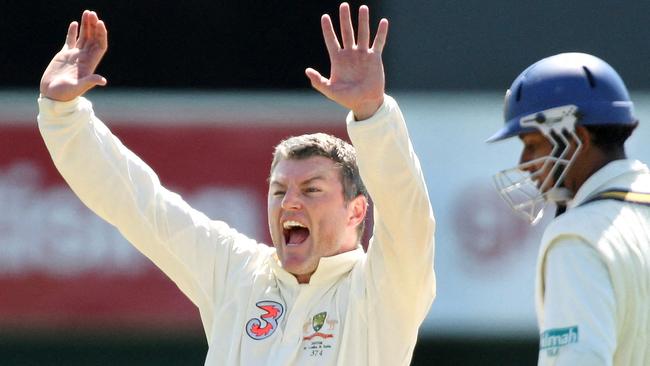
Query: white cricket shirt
(593, 276)
(358, 309)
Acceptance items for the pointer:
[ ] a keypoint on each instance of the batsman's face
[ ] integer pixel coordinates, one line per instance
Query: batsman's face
(308, 216)
(536, 147)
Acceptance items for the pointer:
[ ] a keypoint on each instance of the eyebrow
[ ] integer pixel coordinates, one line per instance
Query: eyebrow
(310, 180)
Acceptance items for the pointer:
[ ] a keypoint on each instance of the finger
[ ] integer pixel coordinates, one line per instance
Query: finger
(88, 26)
(71, 37)
(318, 81)
(101, 35)
(363, 42)
(380, 37)
(92, 81)
(92, 26)
(331, 42)
(83, 29)
(347, 32)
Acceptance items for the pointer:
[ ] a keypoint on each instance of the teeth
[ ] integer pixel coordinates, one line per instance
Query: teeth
(291, 224)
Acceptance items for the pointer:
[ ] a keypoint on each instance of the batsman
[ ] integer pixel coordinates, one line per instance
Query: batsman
(573, 115)
(314, 297)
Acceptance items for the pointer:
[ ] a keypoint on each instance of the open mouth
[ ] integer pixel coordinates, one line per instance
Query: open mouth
(294, 232)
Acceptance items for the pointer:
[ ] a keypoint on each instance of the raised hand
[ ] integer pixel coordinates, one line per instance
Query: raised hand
(357, 73)
(71, 71)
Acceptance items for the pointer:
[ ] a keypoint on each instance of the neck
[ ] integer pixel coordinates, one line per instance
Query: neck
(592, 162)
(303, 278)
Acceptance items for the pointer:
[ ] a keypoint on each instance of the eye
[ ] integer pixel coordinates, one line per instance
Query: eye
(312, 189)
(530, 145)
(277, 193)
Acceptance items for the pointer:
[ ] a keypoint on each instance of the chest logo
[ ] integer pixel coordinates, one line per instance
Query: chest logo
(267, 323)
(317, 322)
(318, 335)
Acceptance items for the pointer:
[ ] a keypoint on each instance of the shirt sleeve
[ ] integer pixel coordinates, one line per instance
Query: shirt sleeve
(579, 307)
(194, 251)
(399, 269)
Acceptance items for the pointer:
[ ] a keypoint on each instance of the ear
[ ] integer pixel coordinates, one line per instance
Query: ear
(584, 136)
(357, 209)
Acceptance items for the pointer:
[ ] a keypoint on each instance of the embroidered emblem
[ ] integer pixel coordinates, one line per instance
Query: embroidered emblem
(552, 339)
(318, 320)
(320, 340)
(267, 323)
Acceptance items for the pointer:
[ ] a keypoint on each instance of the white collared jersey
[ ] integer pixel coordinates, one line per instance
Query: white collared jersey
(593, 275)
(358, 309)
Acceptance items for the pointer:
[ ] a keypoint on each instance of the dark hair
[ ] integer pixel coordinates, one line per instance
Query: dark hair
(333, 148)
(610, 137)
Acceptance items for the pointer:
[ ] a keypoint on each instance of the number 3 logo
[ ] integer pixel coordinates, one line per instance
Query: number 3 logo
(267, 324)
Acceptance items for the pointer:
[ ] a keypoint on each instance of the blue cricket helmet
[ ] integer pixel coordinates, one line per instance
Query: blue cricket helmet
(579, 79)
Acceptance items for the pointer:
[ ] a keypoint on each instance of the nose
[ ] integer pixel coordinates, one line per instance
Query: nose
(291, 200)
(523, 159)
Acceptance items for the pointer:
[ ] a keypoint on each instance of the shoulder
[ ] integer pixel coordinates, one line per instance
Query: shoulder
(586, 222)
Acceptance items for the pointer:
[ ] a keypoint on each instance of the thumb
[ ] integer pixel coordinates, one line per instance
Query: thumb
(318, 81)
(91, 81)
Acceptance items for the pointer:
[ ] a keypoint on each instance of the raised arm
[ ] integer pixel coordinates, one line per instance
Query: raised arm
(72, 71)
(399, 280)
(357, 73)
(194, 251)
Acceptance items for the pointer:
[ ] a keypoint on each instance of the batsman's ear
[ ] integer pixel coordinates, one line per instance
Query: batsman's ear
(585, 136)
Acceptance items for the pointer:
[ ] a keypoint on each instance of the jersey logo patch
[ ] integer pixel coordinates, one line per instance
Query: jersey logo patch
(267, 323)
(552, 339)
(317, 323)
(318, 335)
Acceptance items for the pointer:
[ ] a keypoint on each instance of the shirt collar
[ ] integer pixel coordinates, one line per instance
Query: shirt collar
(607, 177)
(329, 268)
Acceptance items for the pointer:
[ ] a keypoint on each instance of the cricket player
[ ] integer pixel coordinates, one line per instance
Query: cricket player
(315, 297)
(572, 112)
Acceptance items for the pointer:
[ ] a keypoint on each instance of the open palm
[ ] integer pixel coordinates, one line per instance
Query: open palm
(72, 71)
(357, 72)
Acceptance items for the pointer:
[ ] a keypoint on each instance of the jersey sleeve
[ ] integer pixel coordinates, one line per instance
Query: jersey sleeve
(399, 269)
(198, 254)
(579, 307)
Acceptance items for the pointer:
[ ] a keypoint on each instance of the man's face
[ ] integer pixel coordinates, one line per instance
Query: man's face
(536, 147)
(308, 216)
